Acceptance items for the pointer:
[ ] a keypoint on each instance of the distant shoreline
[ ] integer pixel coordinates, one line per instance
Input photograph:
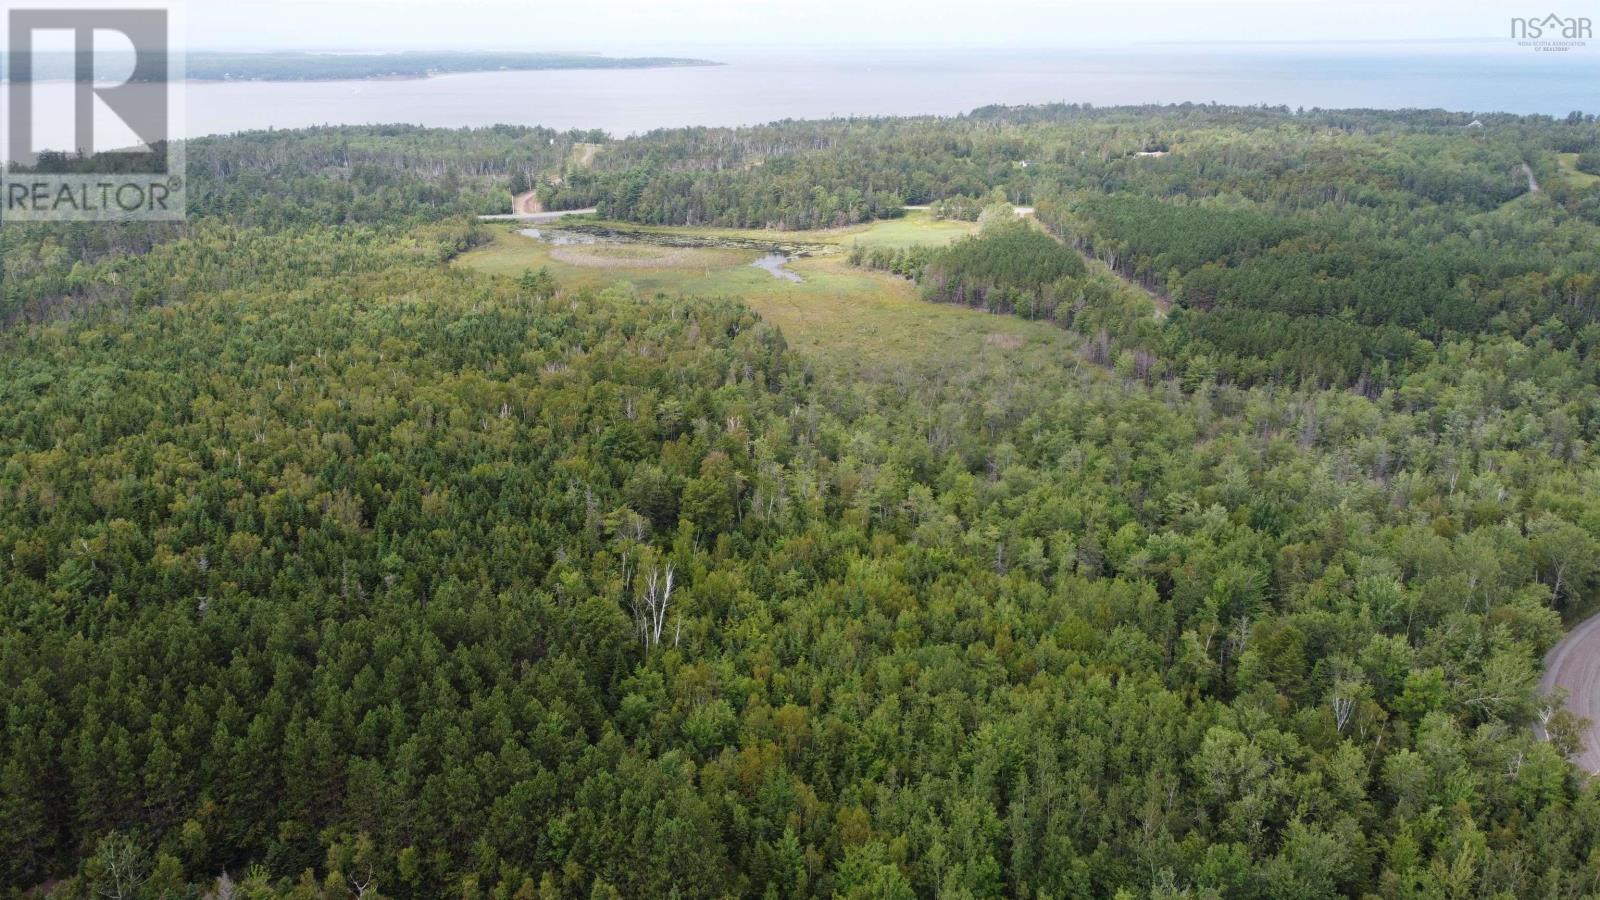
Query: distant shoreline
(426, 76)
(210, 67)
(435, 73)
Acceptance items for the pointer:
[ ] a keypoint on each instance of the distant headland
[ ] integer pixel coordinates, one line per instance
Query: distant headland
(305, 65)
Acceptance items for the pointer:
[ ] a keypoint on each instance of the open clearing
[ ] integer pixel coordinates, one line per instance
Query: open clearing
(917, 226)
(862, 323)
(641, 256)
(1570, 173)
(583, 154)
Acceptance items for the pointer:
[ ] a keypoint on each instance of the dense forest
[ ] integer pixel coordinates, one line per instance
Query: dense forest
(329, 570)
(1318, 246)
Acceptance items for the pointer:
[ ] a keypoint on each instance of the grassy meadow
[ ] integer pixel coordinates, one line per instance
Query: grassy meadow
(1569, 171)
(859, 322)
(916, 227)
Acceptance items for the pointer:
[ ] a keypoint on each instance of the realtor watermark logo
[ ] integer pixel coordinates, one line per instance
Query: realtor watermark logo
(94, 98)
(1552, 33)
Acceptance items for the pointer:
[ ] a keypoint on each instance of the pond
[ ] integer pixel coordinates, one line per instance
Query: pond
(777, 264)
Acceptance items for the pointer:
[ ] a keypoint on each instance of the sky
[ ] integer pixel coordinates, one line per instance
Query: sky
(680, 26)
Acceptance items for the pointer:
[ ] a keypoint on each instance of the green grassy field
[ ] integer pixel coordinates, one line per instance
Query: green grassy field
(859, 322)
(917, 227)
(1569, 171)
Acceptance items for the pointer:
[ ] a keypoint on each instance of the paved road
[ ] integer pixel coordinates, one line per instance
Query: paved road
(1575, 665)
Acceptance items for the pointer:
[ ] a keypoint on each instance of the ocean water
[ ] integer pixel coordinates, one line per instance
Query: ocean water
(1487, 76)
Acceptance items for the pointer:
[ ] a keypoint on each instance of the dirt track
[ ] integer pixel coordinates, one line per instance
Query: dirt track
(526, 204)
(1574, 664)
(1533, 183)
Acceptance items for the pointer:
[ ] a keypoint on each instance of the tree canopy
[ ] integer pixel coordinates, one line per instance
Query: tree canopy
(330, 570)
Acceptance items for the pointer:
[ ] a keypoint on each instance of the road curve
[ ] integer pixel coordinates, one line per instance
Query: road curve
(1574, 664)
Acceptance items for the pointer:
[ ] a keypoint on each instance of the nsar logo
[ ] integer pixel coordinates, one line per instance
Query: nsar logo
(1552, 33)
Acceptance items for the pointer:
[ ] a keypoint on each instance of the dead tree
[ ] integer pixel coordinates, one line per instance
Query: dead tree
(650, 606)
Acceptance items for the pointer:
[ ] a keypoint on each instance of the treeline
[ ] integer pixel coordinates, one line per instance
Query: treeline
(907, 262)
(781, 196)
(386, 178)
(1011, 267)
(1145, 238)
(1290, 159)
(387, 173)
(1327, 298)
(1015, 268)
(1305, 233)
(958, 207)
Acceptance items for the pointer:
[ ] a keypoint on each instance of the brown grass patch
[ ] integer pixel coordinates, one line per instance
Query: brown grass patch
(616, 256)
